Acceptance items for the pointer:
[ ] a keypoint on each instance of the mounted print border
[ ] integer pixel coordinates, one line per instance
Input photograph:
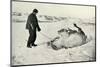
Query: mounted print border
(62, 25)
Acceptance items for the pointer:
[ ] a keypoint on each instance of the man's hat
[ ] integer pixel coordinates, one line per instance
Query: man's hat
(35, 10)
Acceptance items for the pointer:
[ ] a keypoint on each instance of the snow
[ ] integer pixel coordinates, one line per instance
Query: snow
(21, 55)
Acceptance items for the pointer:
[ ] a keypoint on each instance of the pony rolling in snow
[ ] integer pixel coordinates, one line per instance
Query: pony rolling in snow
(68, 38)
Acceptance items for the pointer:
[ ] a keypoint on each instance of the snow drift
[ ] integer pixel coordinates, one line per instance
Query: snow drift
(21, 55)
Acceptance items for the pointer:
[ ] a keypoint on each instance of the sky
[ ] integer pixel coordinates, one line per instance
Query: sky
(55, 9)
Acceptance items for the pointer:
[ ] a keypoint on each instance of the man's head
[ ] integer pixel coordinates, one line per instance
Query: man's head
(35, 11)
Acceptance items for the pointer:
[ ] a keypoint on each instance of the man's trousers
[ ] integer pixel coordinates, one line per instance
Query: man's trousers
(32, 37)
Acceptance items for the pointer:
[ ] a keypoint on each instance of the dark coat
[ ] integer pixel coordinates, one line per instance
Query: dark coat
(32, 22)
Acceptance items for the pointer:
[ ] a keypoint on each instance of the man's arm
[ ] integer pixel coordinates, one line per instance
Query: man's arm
(38, 27)
(29, 22)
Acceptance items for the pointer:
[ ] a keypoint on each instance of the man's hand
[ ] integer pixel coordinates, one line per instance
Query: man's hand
(39, 29)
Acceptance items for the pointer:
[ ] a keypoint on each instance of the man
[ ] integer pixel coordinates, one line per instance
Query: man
(32, 25)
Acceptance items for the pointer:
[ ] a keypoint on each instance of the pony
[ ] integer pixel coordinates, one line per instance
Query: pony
(68, 38)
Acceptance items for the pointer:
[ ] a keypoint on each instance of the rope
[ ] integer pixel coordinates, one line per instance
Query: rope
(45, 36)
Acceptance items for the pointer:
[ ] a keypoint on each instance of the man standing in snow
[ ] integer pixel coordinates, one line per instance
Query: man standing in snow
(32, 25)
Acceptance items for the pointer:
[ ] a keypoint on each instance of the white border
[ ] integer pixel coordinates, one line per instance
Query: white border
(5, 33)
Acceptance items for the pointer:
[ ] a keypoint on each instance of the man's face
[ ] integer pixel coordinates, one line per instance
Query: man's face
(34, 13)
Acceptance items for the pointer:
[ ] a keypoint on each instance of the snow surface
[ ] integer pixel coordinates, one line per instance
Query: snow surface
(21, 55)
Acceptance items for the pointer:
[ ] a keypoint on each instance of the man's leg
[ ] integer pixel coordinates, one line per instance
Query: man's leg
(30, 39)
(29, 43)
(34, 38)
